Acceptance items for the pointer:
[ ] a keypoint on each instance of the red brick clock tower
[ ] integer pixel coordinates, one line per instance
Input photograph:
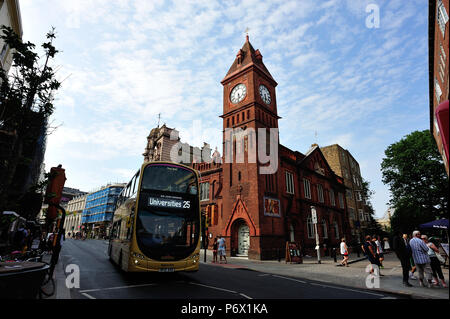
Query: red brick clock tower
(252, 220)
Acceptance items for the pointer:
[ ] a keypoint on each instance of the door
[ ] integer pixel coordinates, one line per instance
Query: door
(243, 240)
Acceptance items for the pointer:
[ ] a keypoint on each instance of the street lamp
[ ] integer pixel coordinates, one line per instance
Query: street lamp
(314, 220)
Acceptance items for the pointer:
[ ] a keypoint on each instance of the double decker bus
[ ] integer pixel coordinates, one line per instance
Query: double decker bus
(156, 224)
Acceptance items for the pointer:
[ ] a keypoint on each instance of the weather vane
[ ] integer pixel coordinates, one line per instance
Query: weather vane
(159, 118)
(246, 32)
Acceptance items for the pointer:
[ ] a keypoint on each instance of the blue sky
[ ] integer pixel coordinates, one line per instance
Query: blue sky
(123, 62)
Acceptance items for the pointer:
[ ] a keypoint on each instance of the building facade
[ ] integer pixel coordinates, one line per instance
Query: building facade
(163, 144)
(438, 49)
(99, 209)
(74, 212)
(256, 212)
(9, 16)
(68, 194)
(344, 165)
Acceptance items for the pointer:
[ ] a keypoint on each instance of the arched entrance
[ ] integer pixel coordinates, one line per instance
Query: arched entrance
(243, 239)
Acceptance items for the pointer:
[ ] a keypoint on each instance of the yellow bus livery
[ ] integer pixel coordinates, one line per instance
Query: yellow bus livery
(156, 224)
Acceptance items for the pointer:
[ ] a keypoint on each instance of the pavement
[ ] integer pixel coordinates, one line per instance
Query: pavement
(328, 271)
(354, 276)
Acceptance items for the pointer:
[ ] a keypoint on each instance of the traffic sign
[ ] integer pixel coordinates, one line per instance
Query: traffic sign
(314, 215)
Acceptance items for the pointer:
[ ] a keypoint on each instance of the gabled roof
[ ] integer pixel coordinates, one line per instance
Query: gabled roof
(245, 58)
(315, 148)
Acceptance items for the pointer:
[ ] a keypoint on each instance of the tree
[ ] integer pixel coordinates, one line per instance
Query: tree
(373, 227)
(416, 176)
(26, 102)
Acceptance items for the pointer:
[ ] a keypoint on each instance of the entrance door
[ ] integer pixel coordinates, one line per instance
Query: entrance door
(243, 240)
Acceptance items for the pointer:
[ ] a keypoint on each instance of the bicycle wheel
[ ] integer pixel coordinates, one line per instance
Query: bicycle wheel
(48, 286)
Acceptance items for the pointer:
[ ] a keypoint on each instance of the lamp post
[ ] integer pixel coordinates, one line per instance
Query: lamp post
(314, 220)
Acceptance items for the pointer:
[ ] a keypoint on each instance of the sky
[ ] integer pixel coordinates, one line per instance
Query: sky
(344, 77)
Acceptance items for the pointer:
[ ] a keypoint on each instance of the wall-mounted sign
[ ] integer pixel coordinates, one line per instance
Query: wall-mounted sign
(293, 253)
(272, 207)
(313, 215)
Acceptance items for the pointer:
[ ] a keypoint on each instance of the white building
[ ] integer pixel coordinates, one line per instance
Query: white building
(74, 212)
(9, 16)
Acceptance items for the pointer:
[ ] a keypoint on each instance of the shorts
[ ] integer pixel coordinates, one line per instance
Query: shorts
(344, 255)
(381, 255)
(222, 252)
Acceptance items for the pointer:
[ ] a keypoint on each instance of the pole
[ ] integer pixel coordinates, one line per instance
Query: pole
(317, 244)
(57, 248)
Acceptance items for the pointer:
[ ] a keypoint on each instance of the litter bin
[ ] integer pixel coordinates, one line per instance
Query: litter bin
(21, 280)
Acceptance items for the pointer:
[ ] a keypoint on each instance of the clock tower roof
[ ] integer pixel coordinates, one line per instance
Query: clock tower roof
(246, 58)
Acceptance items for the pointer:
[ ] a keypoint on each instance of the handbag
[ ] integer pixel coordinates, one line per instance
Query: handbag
(441, 259)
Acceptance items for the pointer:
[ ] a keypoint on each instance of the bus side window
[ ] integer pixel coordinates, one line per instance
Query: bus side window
(130, 229)
(119, 223)
(114, 231)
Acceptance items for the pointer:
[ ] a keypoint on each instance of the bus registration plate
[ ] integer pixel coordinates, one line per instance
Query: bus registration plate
(166, 270)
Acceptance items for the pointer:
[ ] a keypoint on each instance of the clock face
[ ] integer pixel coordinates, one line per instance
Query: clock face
(238, 93)
(264, 93)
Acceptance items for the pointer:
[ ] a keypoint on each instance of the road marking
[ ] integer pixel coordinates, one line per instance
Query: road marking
(303, 282)
(359, 291)
(88, 296)
(112, 288)
(388, 298)
(245, 296)
(263, 275)
(212, 287)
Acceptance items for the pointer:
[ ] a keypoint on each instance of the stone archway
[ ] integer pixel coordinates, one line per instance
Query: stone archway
(240, 234)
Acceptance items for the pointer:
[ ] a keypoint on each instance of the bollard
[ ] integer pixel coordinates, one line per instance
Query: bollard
(334, 255)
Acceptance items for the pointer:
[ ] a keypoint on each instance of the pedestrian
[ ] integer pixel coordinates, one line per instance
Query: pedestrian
(215, 246)
(344, 253)
(370, 253)
(222, 249)
(403, 251)
(435, 263)
(386, 244)
(420, 255)
(50, 238)
(380, 252)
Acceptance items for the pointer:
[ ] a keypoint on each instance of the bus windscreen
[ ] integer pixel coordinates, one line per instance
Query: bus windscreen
(168, 219)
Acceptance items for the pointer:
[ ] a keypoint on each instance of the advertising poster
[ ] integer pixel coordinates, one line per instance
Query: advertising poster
(272, 207)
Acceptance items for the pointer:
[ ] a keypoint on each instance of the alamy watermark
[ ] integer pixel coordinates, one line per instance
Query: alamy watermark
(240, 146)
(73, 276)
(373, 279)
(373, 19)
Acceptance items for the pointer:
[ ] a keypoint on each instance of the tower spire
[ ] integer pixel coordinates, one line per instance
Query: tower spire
(246, 34)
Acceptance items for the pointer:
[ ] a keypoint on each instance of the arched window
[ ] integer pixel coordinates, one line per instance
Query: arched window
(324, 228)
(336, 229)
(292, 232)
(310, 226)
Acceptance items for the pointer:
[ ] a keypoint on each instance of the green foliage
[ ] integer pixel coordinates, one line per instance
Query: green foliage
(26, 103)
(416, 176)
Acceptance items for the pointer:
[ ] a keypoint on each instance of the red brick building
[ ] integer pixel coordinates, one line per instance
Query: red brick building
(257, 213)
(438, 50)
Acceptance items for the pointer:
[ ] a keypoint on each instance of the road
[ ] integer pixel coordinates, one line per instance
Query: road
(100, 279)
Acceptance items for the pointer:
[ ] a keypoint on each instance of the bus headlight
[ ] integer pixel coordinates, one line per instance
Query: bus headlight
(194, 256)
(136, 255)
